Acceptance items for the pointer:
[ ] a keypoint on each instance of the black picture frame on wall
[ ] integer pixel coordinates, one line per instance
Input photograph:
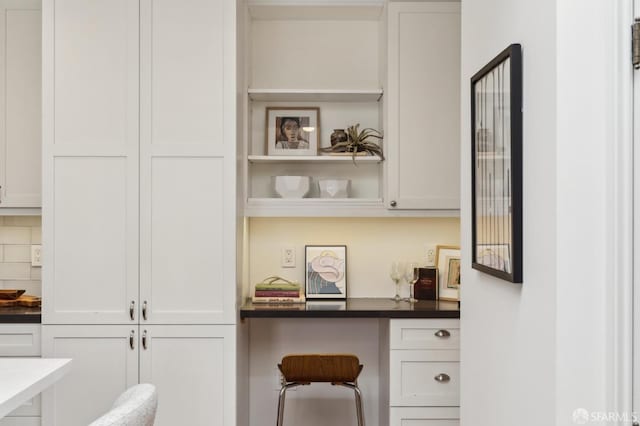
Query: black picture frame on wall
(496, 166)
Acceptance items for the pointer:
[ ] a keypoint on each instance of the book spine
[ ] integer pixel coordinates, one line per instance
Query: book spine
(277, 293)
(278, 299)
(275, 287)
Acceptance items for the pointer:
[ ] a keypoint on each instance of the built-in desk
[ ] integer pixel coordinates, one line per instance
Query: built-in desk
(410, 352)
(353, 308)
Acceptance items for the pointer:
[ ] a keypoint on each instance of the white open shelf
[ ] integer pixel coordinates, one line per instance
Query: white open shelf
(326, 159)
(315, 95)
(369, 10)
(330, 207)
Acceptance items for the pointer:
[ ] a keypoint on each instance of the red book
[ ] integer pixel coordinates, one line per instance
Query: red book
(277, 293)
(426, 288)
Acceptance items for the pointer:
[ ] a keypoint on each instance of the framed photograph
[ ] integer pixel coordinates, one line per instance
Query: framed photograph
(326, 272)
(496, 171)
(292, 130)
(448, 263)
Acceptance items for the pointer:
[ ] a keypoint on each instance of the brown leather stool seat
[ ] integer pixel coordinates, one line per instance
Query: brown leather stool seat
(337, 369)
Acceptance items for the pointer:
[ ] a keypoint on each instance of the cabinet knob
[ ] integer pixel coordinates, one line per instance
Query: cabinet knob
(393, 203)
(132, 308)
(442, 334)
(442, 378)
(144, 310)
(131, 336)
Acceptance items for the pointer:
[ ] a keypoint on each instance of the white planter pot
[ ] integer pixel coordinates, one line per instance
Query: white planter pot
(292, 186)
(334, 188)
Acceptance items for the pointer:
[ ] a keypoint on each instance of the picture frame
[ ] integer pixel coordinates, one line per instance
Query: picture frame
(448, 264)
(325, 272)
(496, 165)
(292, 130)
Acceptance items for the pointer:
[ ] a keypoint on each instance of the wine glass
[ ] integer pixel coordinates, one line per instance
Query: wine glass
(396, 275)
(411, 274)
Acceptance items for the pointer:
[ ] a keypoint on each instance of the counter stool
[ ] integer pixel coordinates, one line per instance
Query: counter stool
(337, 369)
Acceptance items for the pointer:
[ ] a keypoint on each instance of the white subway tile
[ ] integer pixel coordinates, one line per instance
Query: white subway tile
(36, 273)
(1, 253)
(15, 271)
(17, 253)
(32, 287)
(22, 221)
(36, 235)
(15, 235)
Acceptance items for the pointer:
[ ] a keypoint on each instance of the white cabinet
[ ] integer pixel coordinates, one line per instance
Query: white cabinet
(193, 368)
(187, 167)
(422, 372)
(105, 363)
(423, 106)
(140, 186)
(20, 109)
(21, 340)
(90, 161)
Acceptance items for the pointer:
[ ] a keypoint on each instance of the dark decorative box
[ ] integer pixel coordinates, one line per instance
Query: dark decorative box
(426, 288)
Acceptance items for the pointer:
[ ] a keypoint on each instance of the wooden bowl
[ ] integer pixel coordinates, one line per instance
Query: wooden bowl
(10, 294)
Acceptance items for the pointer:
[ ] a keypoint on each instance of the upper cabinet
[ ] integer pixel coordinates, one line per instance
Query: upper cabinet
(358, 63)
(423, 106)
(20, 111)
(139, 162)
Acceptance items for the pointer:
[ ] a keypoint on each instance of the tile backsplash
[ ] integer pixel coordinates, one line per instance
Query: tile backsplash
(17, 233)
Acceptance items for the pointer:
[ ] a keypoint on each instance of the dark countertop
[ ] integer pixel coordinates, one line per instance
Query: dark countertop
(20, 315)
(353, 308)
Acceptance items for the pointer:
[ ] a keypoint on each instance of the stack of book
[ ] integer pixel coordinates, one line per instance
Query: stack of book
(278, 290)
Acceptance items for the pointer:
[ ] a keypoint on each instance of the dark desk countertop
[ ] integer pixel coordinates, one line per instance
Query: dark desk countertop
(353, 308)
(20, 315)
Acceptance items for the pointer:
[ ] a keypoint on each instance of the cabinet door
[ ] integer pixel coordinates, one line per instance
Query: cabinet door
(105, 364)
(90, 161)
(193, 368)
(187, 165)
(423, 94)
(20, 111)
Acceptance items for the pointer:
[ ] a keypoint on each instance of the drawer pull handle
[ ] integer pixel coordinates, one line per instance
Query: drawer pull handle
(131, 344)
(442, 334)
(442, 378)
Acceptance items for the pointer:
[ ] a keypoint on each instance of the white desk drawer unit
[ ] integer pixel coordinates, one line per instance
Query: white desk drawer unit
(425, 378)
(424, 416)
(21, 340)
(424, 372)
(424, 334)
(18, 340)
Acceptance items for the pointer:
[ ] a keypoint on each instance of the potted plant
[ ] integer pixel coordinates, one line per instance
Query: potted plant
(357, 141)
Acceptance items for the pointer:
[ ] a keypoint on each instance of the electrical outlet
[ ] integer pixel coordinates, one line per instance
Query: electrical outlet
(430, 254)
(288, 257)
(36, 255)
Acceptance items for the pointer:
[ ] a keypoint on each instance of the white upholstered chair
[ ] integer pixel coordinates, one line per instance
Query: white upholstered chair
(135, 407)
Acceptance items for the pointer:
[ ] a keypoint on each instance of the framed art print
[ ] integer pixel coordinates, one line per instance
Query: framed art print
(496, 171)
(448, 263)
(292, 130)
(326, 272)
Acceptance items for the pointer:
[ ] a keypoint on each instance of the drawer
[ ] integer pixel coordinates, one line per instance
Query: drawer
(20, 340)
(424, 334)
(414, 378)
(31, 408)
(424, 416)
(20, 421)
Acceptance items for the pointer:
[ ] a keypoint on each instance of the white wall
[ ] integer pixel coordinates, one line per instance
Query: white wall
(508, 330)
(372, 244)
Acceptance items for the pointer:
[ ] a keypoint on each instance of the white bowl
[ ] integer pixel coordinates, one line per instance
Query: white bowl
(334, 188)
(292, 186)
